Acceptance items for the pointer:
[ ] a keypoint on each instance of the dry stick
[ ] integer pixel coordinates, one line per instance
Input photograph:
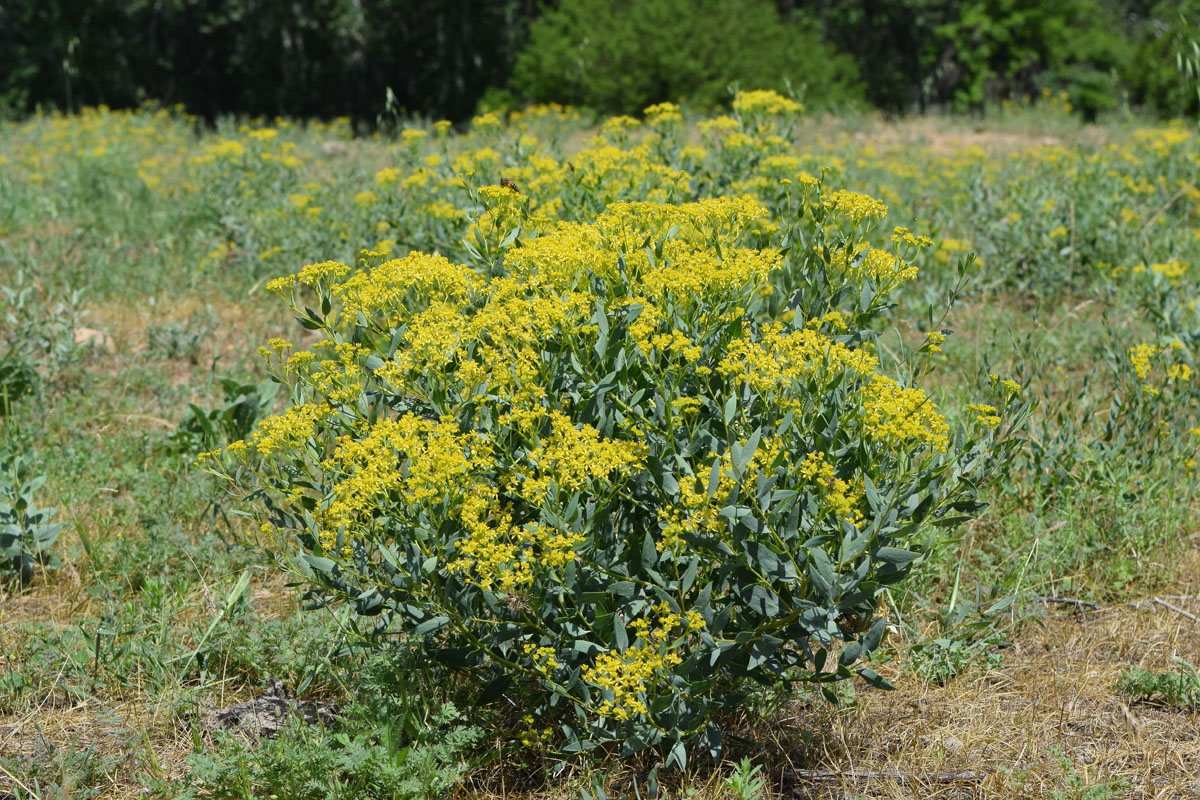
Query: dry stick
(1190, 185)
(1177, 609)
(890, 774)
(1071, 601)
(18, 781)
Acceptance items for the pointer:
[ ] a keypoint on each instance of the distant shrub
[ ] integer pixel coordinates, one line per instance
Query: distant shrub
(622, 56)
(1157, 67)
(1004, 48)
(37, 338)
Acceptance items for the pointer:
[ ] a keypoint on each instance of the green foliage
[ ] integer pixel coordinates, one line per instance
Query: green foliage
(1179, 688)
(318, 58)
(72, 770)
(182, 339)
(26, 530)
(18, 379)
(1078, 787)
(1157, 70)
(1004, 48)
(622, 57)
(360, 760)
(746, 781)
(37, 339)
(245, 404)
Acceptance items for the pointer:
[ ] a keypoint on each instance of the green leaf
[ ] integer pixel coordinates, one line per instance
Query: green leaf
(853, 544)
(742, 454)
(714, 478)
(820, 570)
(761, 600)
(620, 637)
(763, 558)
(430, 625)
(895, 556)
(649, 552)
(874, 678)
(622, 588)
(763, 648)
(677, 757)
(318, 563)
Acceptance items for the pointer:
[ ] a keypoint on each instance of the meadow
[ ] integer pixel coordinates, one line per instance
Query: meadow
(212, 337)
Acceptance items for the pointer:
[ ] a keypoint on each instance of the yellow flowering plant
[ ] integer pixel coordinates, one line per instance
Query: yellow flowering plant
(629, 467)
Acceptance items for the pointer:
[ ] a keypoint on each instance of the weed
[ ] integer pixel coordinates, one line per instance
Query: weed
(26, 530)
(1078, 788)
(1179, 688)
(746, 781)
(358, 761)
(182, 339)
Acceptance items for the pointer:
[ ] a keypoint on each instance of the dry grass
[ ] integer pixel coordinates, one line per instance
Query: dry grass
(1054, 693)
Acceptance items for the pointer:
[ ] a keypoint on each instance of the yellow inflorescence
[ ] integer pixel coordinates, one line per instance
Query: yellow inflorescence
(626, 677)
(902, 416)
(777, 359)
(986, 415)
(289, 430)
(857, 206)
(410, 460)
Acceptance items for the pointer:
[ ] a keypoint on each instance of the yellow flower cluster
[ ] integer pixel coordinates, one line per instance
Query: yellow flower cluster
(543, 658)
(695, 512)
(494, 553)
(765, 102)
(901, 416)
(857, 206)
(387, 293)
(311, 275)
(1139, 357)
(986, 415)
(624, 678)
(886, 269)
(771, 363)
(289, 430)
(841, 498)
(410, 460)
(1142, 358)
(568, 457)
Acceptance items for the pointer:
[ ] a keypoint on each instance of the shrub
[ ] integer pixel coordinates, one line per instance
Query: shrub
(999, 48)
(648, 462)
(622, 57)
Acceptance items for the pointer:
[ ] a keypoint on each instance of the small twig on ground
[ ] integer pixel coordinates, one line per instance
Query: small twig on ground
(1177, 609)
(1186, 188)
(887, 774)
(1070, 601)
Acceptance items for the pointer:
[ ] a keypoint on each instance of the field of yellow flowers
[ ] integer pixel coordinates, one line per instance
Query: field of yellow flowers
(707, 455)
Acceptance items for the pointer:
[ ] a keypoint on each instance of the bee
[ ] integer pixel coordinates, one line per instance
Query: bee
(509, 183)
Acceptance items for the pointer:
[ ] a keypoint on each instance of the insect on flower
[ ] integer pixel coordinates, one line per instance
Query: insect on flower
(509, 183)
